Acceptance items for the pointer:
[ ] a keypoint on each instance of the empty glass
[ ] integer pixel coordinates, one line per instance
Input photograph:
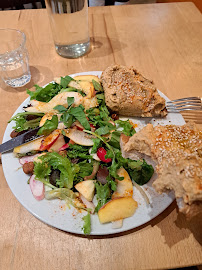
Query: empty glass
(14, 63)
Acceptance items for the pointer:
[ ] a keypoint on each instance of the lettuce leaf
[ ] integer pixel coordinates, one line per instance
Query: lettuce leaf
(87, 224)
(103, 194)
(49, 126)
(44, 94)
(128, 129)
(22, 124)
(55, 161)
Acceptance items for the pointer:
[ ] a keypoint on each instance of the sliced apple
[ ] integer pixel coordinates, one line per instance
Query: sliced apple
(87, 189)
(90, 102)
(116, 209)
(79, 137)
(88, 78)
(28, 147)
(88, 88)
(84, 86)
(125, 186)
(60, 99)
(59, 143)
(50, 140)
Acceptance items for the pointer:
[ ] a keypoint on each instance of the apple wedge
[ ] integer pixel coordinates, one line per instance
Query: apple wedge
(90, 102)
(124, 187)
(87, 189)
(79, 137)
(50, 140)
(28, 147)
(116, 209)
(88, 78)
(84, 86)
(57, 144)
(60, 99)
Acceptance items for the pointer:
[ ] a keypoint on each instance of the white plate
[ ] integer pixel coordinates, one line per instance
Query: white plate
(55, 212)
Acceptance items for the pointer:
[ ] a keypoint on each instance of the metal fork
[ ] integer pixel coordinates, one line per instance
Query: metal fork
(184, 104)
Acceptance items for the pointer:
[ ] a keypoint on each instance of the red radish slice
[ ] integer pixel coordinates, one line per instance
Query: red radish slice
(88, 204)
(27, 159)
(37, 188)
(65, 146)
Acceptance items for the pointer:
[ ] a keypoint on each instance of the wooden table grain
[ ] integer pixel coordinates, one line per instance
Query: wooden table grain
(164, 42)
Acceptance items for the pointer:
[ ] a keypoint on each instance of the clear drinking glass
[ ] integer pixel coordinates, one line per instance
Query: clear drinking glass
(69, 24)
(14, 63)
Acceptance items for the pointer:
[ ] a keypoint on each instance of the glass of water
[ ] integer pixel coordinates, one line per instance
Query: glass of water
(69, 24)
(14, 62)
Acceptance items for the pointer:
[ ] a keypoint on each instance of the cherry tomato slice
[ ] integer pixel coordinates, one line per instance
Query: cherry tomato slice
(101, 152)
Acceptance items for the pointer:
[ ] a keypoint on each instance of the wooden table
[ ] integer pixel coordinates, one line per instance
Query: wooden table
(164, 42)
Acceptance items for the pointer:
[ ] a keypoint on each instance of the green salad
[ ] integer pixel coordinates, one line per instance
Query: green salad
(78, 159)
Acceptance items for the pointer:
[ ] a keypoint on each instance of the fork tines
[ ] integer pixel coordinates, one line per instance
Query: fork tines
(184, 104)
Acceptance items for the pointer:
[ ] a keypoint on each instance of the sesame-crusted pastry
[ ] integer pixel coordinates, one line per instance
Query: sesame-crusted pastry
(177, 150)
(129, 93)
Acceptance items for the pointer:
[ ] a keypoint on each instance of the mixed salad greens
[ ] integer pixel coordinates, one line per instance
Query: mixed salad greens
(79, 157)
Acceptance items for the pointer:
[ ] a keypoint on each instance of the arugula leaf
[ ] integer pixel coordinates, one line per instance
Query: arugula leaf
(65, 81)
(97, 86)
(112, 183)
(103, 130)
(67, 119)
(49, 126)
(127, 127)
(70, 101)
(44, 94)
(60, 108)
(103, 194)
(84, 168)
(141, 172)
(115, 139)
(78, 151)
(100, 98)
(78, 113)
(96, 145)
(87, 224)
